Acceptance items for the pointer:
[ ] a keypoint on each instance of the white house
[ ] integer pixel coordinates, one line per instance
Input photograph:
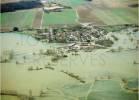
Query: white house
(52, 8)
(44, 1)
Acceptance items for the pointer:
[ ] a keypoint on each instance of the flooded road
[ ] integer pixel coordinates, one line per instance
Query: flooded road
(109, 68)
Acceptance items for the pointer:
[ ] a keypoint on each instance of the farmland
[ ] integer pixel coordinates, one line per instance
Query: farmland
(117, 16)
(38, 19)
(72, 3)
(29, 19)
(65, 17)
(98, 12)
(21, 19)
(9, 1)
(106, 12)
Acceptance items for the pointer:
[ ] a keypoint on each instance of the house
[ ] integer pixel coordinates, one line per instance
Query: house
(54, 8)
(43, 1)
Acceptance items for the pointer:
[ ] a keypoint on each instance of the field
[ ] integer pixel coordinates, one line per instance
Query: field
(72, 3)
(65, 17)
(21, 19)
(9, 1)
(117, 16)
(109, 12)
(38, 19)
(98, 12)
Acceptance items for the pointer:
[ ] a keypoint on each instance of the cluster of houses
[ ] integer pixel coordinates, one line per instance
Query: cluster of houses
(51, 7)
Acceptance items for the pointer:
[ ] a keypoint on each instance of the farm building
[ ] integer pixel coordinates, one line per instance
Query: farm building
(55, 8)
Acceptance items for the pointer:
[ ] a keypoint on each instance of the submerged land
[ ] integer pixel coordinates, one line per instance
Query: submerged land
(69, 50)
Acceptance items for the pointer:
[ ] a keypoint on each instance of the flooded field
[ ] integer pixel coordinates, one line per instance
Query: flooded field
(96, 75)
(69, 50)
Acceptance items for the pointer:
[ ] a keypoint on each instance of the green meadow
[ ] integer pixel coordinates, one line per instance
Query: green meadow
(20, 19)
(72, 3)
(67, 16)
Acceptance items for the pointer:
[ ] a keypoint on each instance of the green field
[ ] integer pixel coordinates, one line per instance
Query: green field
(65, 17)
(72, 3)
(100, 12)
(21, 19)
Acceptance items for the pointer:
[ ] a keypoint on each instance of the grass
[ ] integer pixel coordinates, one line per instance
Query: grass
(65, 17)
(21, 19)
(72, 3)
(24, 19)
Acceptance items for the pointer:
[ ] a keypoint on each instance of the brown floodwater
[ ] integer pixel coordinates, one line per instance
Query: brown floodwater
(87, 65)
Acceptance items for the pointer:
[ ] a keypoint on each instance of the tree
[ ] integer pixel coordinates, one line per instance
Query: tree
(15, 29)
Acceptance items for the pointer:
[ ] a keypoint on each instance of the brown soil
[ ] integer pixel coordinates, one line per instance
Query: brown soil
(108, 3)
(5, 29)
(86, 11)
(87, 16)
(8, 1)
(38, 19)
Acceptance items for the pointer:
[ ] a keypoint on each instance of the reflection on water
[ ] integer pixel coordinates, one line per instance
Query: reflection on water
(110, 90)
(5, 97)
(55, 85)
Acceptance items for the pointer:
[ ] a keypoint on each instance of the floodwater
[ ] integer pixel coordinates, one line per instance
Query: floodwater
(5, 97)
(107, 67)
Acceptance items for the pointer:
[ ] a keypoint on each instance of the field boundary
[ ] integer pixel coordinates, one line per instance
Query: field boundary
(37, 23)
